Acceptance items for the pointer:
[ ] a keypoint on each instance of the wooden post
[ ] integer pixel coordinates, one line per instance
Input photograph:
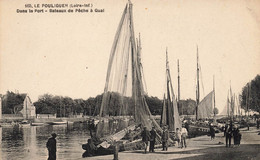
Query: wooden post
(115, 152)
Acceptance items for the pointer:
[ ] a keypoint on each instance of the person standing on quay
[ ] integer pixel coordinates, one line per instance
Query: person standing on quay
(257, 123)
(184, 134)
(225, 130)
(165, 137)
(51, 145)
(228, 135)
(178, 136)
(145, 138)
(212, 131)
(237, 136)
(152, 139)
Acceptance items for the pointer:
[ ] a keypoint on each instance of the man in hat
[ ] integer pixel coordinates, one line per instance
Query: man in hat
(212, 131)
(228, 135)
(51, 145)
(152, 139)
(165, 137)
(145, 138)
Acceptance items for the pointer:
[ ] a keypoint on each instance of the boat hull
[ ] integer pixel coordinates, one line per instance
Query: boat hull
(57, 123)
(37, 124)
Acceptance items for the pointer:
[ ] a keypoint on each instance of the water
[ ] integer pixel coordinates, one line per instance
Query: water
(29, 142)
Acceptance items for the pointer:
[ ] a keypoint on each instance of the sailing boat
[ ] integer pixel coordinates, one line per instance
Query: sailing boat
(170, 115)
(204, 108)
(232, 109)
(124, 94)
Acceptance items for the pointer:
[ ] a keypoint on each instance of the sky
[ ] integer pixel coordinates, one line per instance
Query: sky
(67, 54)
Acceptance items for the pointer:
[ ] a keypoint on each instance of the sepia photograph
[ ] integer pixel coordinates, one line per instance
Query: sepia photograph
(129, 79)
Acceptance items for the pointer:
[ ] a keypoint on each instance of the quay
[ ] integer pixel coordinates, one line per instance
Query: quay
(200, 148)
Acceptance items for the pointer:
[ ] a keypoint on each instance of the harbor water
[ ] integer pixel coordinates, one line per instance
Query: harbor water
(29, 142)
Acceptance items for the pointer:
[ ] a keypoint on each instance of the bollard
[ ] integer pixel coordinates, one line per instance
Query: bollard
(115, 152)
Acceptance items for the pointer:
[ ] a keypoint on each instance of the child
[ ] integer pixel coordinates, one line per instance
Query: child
(178, 136)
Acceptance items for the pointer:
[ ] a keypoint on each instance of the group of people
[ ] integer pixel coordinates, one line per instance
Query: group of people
(150, 136)
(232, 131)
(181, 135)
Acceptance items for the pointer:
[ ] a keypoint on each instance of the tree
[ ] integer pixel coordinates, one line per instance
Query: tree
(155, 104)
(47, 104)
(187, 107)
(250, 96)
(79, 106)
(12, 102)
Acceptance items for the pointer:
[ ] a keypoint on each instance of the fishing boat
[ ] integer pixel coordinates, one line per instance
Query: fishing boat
(124, 94)
(170, 115)
(24, 123)
(204, 108)
(37, 124)
(232, 109)
(59, 123)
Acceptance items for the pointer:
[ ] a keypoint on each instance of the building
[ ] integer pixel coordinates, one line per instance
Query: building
(28, 110)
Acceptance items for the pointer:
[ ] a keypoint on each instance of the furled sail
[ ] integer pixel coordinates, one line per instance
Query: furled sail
(205, 108)
(124, 90)
(227, 108)
(170, 114)
(163, 120)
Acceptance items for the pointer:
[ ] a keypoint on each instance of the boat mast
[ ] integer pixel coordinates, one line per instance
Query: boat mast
(168, 99)
(247, 100)
(133, 54)
(228, 104)
(178, 81)
(26, 114)
(179, 94)
(231, 104)
(214, 96)
(198, 85)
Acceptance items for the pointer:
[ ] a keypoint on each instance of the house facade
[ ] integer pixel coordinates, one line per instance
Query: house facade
(28, 110)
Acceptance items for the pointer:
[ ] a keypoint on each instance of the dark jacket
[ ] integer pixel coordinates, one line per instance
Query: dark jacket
(212, 131)
(229, 131)
(145, 135)
(51, 144)
(153, 135)
(90, 149)
(165, 136)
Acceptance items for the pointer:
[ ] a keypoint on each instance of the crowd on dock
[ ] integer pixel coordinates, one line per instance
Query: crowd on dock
(149, 138)
(230, 131)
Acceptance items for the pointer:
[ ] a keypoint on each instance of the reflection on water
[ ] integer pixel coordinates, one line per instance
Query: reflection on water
(29, 142)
